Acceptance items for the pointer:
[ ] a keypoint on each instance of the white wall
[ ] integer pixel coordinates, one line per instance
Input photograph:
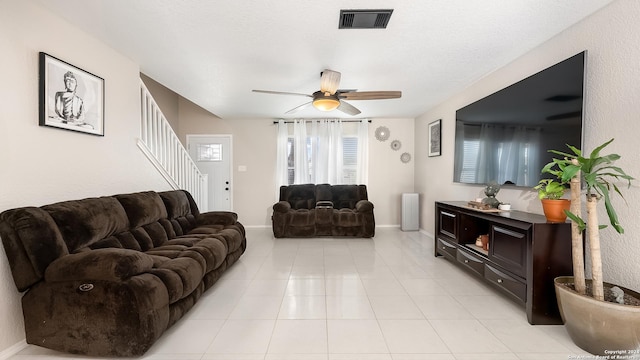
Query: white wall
(41, 165)
(611, 37)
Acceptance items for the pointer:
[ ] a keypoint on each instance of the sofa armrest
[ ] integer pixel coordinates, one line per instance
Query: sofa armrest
(100, 264)
(282, 207)
(364, 206)
(217, 218)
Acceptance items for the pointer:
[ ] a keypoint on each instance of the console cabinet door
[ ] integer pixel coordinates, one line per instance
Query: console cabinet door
(447, 224)
(508, 248)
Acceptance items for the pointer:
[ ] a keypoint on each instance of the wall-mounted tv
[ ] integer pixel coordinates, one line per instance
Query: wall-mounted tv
(505, 136)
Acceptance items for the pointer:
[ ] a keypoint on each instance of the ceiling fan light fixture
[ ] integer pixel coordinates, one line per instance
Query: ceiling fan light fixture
(326, 103)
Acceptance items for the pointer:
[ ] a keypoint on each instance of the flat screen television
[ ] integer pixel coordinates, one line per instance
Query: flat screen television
(505, 137)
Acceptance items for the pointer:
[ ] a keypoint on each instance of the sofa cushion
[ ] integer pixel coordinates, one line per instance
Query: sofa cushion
(299, 196)
(142, 208)
(84, 222)
(31, 241)
(347, 196)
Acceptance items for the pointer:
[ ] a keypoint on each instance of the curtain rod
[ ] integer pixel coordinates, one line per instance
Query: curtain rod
(343, 120)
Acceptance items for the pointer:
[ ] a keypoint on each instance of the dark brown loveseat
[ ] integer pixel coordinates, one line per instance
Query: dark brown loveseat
(323, 210)
(107, 276)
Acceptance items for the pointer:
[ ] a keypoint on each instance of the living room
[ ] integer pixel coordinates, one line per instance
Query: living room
(61, 165)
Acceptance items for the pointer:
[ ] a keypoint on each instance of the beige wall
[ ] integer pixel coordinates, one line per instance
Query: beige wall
(41, 165)
(611, 37)
(254, 146)
(166, 99)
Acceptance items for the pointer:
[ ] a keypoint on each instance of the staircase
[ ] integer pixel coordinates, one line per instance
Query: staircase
(162, 147)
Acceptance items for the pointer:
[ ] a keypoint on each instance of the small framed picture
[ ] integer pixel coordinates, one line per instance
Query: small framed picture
(435, 137)
(70, 98)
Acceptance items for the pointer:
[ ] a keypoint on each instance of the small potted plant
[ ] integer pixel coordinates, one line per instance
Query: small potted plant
(550, 193)
(600, 317)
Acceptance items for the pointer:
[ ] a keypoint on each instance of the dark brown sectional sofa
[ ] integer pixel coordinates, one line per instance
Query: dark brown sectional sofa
(107, 276)
(309, 210)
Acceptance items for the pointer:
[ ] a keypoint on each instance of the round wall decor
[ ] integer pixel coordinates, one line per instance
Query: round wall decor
(396, 144)
(382, 133)
(405, 157)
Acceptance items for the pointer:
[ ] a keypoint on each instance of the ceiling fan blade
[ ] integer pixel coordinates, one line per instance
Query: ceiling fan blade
(280, 93)
(370, 95)
(329, 81)
(347, 108)
(297, 108)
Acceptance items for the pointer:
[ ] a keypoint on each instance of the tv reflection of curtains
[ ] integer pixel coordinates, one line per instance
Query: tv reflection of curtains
(503, 153)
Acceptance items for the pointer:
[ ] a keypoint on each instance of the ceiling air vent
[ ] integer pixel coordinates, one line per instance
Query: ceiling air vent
(364, 19)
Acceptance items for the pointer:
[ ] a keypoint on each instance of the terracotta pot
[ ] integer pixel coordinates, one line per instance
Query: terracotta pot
(554, 209)
(599, 327)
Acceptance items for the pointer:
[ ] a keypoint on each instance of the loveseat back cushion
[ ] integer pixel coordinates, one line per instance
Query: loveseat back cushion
(31, 241)
(347, 196)
(301, 196)
(85, 222)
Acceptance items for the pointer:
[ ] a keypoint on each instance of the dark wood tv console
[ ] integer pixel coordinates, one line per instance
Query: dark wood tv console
(525, 253)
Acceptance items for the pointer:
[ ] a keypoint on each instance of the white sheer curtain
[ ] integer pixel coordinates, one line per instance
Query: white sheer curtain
(326, 151)
(317, 151)
(300, 156)
(362, 171)
(282, 159)
(334, 164)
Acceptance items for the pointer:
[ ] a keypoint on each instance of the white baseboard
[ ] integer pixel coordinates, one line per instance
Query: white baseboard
(12, 350)
(256, 226)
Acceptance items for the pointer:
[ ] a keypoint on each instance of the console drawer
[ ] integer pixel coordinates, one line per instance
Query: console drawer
(444, 248)
(507, 282)
(471, 261)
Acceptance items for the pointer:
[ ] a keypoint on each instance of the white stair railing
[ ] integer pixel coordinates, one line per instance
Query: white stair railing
(162, 147)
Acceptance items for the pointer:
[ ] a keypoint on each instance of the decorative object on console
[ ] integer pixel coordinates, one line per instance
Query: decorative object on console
(396, 144)
(70, 98)
(484, 241)
(491, 190)
(593, 318)
(504, 206)
(550, 193)
(382, 133)
(435, 137)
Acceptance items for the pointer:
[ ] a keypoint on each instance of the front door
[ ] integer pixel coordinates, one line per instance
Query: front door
(212, 155)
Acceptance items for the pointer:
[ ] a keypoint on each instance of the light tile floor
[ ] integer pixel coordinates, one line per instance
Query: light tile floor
(386, 298)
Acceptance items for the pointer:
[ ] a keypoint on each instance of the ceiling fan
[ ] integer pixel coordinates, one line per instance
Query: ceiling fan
(329, 97)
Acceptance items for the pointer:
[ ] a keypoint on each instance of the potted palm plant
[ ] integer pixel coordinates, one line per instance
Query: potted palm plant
(550, 193)
(600, 317)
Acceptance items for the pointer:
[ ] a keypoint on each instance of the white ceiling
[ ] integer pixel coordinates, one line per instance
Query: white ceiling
(214, 52)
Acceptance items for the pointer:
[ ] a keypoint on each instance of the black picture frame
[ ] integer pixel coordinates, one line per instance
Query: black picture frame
(435, 138)
(70, 98)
